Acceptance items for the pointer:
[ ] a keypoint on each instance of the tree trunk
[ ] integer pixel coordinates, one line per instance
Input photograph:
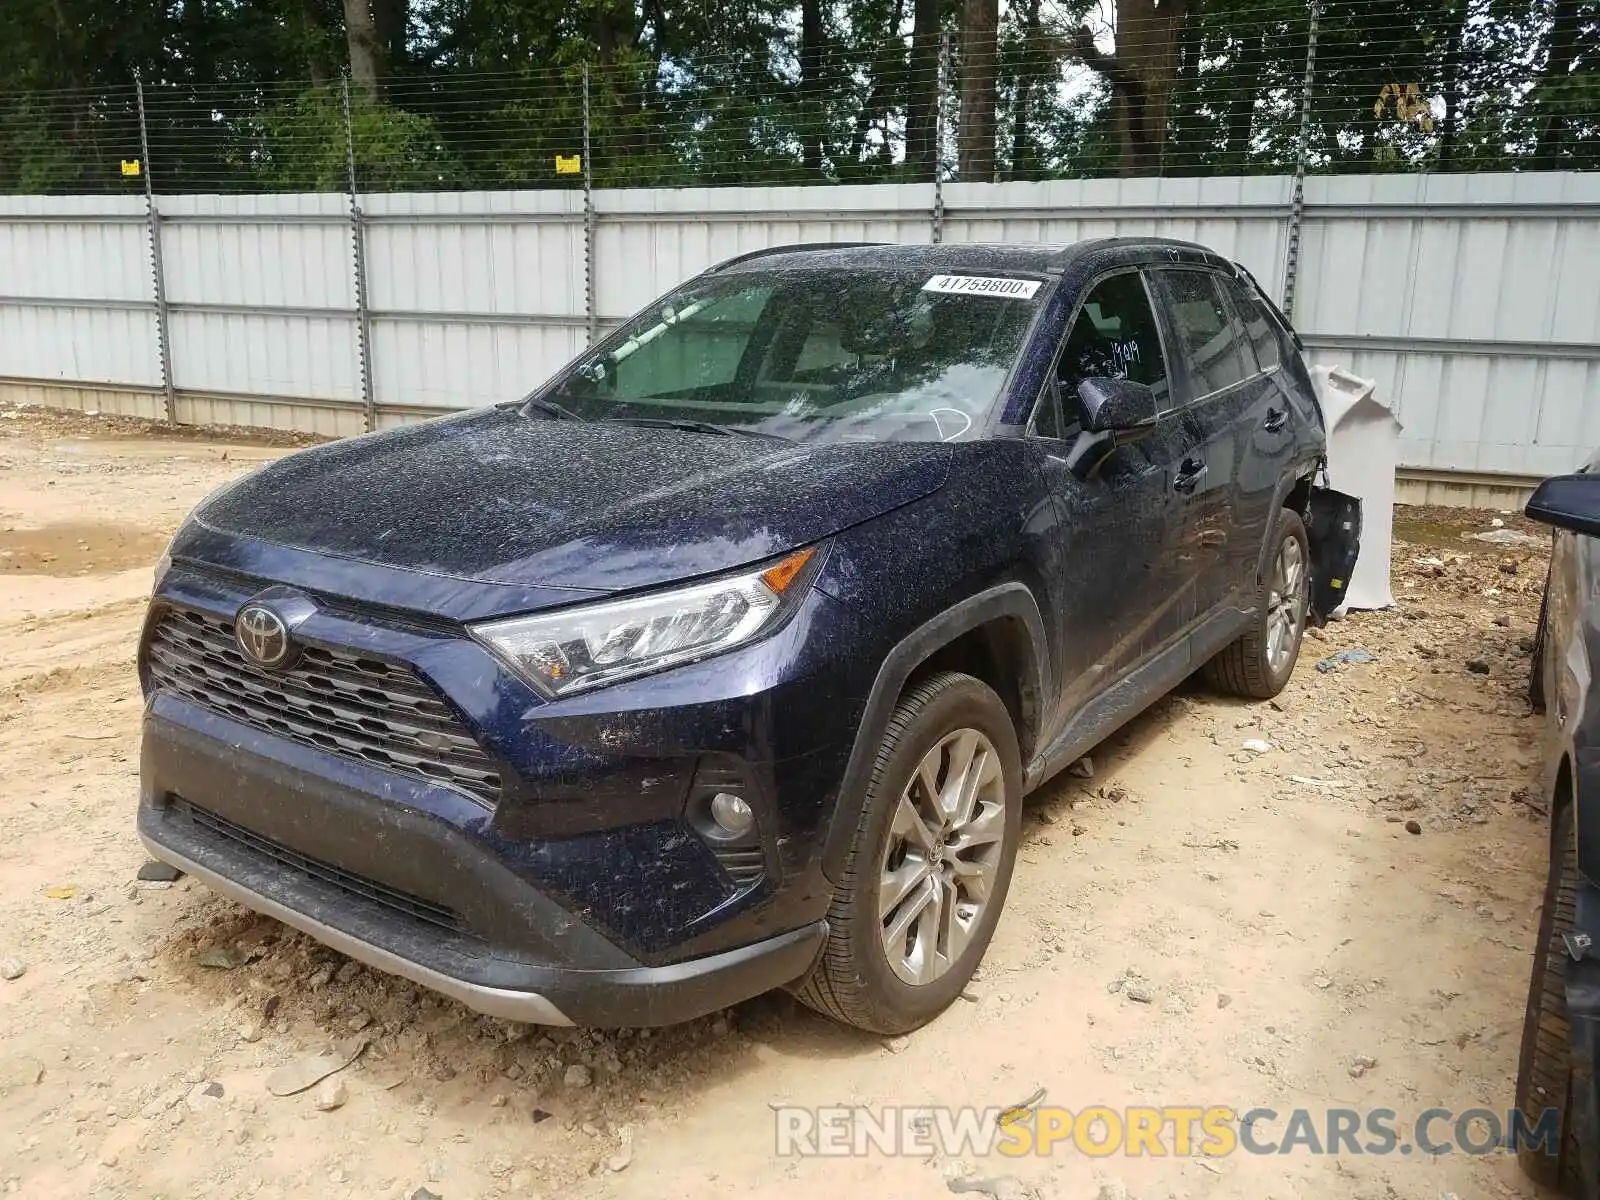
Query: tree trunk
(389, 22)
(311, 32)
(811, 116)
(366, 56)
(655, 17)
(1241, 107)
(1024, 149)
(980, 24)
(1141, 73)
(197, 55)
(1554, 132)
(616, 27)
(1450, 126)
(922, 92)
(1190, 135)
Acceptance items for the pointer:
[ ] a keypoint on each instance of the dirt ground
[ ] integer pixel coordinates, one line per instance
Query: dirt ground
(1284, 926)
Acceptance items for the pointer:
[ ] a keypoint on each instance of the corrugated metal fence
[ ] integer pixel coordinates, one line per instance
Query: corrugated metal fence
(1472, 299)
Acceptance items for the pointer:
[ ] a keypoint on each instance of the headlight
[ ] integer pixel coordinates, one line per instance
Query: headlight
(575, 649)
(164, 563)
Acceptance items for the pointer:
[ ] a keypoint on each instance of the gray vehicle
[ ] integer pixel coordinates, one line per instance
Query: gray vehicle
(1556, 1087)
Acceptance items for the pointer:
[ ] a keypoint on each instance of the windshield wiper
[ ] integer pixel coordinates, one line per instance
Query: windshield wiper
(699, 427)
(549, 408)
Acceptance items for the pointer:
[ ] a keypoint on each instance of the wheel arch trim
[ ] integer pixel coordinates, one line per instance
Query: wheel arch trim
(1293, 477)
(1011, 601)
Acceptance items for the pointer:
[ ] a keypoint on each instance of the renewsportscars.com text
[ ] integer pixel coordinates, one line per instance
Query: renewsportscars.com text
(1101, 1131)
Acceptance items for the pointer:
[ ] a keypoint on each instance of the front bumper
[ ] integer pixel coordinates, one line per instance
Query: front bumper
(619, 998)
(397, 874)
(398, 794)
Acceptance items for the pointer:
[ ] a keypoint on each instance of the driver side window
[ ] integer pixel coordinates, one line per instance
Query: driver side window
(1113, 337)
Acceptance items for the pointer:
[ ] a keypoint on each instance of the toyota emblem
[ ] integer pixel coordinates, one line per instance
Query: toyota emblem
(263, 636)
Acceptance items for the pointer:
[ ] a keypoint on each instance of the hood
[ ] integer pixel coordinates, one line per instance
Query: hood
(499, 497)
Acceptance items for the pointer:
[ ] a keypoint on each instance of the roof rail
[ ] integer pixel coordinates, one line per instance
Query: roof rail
(789, 249)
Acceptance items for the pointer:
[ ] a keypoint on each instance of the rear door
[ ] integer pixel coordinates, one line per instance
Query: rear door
(1117, 582)
(1218, 377)
(1270, 427)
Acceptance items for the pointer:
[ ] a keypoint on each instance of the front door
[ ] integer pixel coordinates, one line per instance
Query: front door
(1115, 572)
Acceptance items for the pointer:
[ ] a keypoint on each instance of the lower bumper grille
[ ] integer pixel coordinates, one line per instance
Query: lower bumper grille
(745, 866)
(348, 882)
(349, 705)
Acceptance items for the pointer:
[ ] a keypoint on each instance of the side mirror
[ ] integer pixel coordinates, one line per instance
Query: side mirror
(1117, 406)
(1568, 502)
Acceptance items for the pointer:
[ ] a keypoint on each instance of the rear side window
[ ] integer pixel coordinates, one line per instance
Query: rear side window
(1114, 337)
(1258, 326)
(1207, 333)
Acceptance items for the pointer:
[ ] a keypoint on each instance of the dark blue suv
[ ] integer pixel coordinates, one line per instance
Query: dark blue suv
(724, 661)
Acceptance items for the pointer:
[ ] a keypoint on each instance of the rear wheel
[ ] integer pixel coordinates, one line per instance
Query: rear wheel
(930, 863)
(1259, 664)
(1544, 1073)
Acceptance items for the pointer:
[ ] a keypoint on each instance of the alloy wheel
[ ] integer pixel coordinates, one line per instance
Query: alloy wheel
(941, 856)
(1286, 603)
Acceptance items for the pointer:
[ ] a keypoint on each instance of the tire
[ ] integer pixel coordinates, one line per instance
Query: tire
(1544, 1072)
(1249, 666)
(856, 981)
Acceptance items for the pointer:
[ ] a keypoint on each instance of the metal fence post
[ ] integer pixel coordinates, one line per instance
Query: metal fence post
(157, 268)
(358, 248)
(1297, 202)
(942, 79)
(591, 316)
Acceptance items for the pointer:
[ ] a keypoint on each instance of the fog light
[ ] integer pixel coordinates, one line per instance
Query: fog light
(732, 813)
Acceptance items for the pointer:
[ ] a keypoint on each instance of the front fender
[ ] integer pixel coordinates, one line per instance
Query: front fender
(1007, 601)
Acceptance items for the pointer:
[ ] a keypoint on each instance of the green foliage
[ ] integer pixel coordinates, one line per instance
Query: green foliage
(245, 94)
(302, 147)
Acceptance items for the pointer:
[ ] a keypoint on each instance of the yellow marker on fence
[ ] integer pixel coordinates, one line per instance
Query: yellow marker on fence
(569, 164)
(130, 166)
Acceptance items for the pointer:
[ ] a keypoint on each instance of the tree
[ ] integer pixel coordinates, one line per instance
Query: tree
(1563, 94)
(391, 30)
(922, 91)
(1026, 85)
(487, 93)
(1142, 72)
(980, 29)
(366, 51)
(811, 98)
(315, 48)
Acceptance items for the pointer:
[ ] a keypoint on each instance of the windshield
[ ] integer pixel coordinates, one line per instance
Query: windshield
(815, 355)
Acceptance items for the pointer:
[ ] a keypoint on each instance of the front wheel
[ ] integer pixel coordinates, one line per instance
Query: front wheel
(929, 865)
(1259, 664)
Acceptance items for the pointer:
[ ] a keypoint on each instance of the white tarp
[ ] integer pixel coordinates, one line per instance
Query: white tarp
(1363, 449)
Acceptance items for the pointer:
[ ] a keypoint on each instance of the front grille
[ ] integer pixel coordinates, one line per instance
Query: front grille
(346, 881)
(355, 707)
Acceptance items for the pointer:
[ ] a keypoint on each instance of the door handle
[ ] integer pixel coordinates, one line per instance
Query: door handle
(1190, 473)
(1277, 418)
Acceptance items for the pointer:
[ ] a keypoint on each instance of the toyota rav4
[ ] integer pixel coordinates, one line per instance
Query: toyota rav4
(724, 660)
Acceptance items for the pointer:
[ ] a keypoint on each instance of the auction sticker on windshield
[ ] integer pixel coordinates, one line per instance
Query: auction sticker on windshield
(982, 285)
